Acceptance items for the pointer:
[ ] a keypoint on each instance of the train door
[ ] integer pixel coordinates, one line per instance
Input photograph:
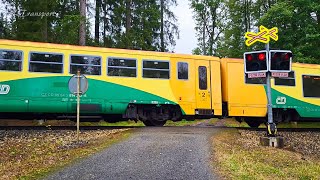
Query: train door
(203, 87)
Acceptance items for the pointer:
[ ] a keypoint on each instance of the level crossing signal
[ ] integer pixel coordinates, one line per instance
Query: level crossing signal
(256, 62)
(280, 60)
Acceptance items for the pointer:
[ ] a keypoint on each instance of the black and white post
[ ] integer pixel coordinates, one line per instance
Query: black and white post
(271, 126)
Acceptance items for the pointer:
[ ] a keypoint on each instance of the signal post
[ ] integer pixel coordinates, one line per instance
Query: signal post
(267, 63)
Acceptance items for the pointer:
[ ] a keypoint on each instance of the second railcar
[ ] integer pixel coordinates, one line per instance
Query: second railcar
(296, 98)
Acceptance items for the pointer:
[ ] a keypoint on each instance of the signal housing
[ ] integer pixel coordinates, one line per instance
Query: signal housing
(255, 61)
(280, 60)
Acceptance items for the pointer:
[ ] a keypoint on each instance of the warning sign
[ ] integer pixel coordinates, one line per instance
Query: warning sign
(263, 36)
(280, 74)
(257, 75)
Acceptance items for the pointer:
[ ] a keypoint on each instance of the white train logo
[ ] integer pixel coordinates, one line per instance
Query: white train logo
(281, 100)
(4, 89)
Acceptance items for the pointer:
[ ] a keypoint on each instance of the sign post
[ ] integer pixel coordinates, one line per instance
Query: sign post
(272, 128)
(78, 85)
(78, 104)
(264, 36)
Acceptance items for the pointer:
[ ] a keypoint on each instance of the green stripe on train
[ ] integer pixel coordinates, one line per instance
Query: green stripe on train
(305, 109)
(51, 95)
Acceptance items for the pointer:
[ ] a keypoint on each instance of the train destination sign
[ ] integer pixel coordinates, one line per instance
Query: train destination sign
(257, 75)
(263, 36)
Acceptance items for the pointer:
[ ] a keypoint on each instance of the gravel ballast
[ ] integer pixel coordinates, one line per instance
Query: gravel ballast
(306, 143)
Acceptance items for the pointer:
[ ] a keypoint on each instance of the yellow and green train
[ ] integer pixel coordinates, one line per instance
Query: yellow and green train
(149, 86)
(296, 98)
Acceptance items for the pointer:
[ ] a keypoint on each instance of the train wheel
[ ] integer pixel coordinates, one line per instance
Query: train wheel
(252, 122)
(147, 123)
(154, 123)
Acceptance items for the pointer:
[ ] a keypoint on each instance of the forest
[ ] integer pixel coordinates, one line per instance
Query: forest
(152, 25)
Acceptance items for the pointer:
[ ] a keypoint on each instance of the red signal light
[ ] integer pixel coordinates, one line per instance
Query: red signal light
(249, 57)
(287, 56)
(262, 56)
(275, 56)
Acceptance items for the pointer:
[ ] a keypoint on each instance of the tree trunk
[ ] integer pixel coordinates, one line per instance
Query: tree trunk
(128, 24)
(246, 15)
(45, 24)
(318, 19)
(162, 26)
(104, 8)
(45, 29)
(97, 22)
(82, 29)
(204, 35)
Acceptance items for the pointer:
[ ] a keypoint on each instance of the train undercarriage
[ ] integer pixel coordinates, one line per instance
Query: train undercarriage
(153, 115)
(279, 116)
(150, 115)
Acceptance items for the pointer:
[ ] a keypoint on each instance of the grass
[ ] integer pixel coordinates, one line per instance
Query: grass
(121, 123)
(230, 122)
(300, 125)
(42, 157)
(183, 123)
(130, 123)
(77, 154)
(237, 160)
(140, 123)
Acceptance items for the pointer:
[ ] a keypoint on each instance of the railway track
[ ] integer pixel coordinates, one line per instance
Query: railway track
(135, 127)
(64, 127)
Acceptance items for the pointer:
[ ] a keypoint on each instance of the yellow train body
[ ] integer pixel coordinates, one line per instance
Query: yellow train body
(249, 100)
(211, 87)
(183, 92)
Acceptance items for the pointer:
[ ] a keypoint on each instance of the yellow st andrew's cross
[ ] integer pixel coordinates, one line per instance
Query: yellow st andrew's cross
(263, 36)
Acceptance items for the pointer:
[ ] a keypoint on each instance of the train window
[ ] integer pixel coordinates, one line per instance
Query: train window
(183, 70)
(289, 81)
(10, 60)
(203, 78)
(46, 62)
(122, 67)
(90, 65)
(311, 86)
(156, 69)
(260, 80)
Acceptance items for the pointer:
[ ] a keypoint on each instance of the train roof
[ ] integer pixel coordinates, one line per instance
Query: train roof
(103, 49)
(295, 64)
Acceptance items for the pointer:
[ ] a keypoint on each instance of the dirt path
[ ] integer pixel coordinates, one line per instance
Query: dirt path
(152, 153)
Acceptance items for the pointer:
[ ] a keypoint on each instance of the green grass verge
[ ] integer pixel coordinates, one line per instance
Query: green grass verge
(67, 157)
(121, 123)
(299, 125)
(234, 159)
(183, 123)
(140, 123)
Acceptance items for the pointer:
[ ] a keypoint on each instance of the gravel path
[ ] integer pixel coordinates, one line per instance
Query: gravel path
(151, 153)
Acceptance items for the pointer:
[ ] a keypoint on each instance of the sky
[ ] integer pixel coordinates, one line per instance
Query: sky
(187, 41)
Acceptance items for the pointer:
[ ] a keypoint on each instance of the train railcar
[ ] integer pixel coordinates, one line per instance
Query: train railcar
(128, 84)
(296, 98)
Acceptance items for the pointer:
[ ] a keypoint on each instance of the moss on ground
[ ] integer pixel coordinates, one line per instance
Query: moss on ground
(237, 157)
